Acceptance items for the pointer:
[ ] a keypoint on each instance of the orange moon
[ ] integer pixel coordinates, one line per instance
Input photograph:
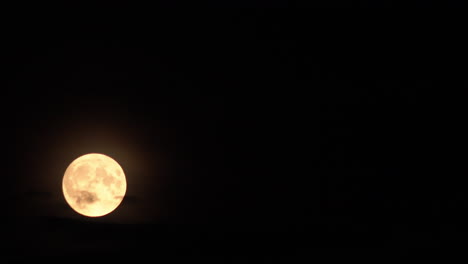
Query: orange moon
(94, 185)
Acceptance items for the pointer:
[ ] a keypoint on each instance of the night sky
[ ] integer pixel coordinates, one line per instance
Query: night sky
(245, 138)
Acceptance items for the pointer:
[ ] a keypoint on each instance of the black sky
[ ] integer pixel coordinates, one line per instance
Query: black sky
(244, 138)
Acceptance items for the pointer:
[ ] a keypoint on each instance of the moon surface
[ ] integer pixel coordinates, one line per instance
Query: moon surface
(94, 185)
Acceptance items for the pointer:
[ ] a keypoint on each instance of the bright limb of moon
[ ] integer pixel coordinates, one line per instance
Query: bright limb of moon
(94, 185)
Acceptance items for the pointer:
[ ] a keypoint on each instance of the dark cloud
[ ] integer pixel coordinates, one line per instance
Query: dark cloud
(86, 197)
(36, 193)
(128, 198)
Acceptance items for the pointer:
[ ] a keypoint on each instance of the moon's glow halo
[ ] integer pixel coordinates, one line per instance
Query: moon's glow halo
(94, 185)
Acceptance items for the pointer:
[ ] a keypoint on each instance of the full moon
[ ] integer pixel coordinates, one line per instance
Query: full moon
(94, 185)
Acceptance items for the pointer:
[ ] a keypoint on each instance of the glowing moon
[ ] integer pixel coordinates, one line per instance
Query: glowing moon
(94, 185)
